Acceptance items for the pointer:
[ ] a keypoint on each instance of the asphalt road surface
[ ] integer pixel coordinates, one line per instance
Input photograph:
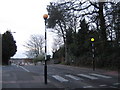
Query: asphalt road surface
(58, 76)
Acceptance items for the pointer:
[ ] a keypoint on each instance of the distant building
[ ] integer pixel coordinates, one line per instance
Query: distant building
(21, 60)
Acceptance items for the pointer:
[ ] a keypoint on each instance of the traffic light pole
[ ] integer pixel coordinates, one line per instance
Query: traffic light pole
(93, 56)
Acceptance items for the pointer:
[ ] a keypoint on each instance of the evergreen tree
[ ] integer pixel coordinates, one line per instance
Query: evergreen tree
(9, 47)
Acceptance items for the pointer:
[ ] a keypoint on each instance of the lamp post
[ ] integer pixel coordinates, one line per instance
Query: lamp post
(45, 16)
(93, 53)
(1, 51)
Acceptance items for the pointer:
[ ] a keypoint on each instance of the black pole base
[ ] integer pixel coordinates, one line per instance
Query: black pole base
(45, 73)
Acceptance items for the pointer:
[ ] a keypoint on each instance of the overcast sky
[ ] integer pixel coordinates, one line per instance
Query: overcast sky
(25, 17)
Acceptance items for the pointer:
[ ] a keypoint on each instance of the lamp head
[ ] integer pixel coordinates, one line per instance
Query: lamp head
(45, 16)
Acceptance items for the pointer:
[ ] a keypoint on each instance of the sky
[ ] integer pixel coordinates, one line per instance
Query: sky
(24, 17)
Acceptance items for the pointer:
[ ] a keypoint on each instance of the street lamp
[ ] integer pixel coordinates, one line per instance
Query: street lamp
(45, 16)
(0, 49)
(93, 53)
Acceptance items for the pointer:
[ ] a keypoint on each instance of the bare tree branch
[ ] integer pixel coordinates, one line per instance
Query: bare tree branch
(34, 45)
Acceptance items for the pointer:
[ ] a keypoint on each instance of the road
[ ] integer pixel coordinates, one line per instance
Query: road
(58, 76)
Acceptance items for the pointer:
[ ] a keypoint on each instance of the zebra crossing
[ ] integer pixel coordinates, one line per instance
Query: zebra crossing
(88, 76)
(61, 79)
(100, 75)
(91, 76)
(73, 77)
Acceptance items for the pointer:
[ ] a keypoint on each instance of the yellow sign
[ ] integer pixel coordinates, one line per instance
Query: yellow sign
(92, 39)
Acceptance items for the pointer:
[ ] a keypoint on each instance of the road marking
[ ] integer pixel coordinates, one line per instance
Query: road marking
(113, 87)
(116, 83)
(88, 87)
(73, 77)
(102, 85)
(103, 76)
(88, 76)
(24, 69)
(59, 78)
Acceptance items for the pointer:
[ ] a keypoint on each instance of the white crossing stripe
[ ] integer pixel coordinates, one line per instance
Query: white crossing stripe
(98, 75)
(103, 85)
(116, 83)
(88, 87)
(88, 76)
(73, 77)
(59, 78)
(113, 87)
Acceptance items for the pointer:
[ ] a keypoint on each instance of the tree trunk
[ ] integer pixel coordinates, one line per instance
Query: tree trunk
(103, 35)
(102, 22)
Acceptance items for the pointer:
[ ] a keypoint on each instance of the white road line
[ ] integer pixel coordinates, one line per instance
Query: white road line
(88, 87)
(17, 65)
(59, 78)
(73, 77)
(116, 83)
(25, 69)
(88, 76)
(102, 85)
(98, 75)
(113, 87)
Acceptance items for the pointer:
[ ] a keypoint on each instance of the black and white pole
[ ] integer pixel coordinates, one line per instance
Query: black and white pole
(93, 53)
(45, 16)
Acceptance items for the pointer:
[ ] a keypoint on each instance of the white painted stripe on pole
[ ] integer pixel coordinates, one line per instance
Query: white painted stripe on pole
(88, 76)
(25, 69)
(98, 75)
(73, 77)
(88, 87)
(59, 78)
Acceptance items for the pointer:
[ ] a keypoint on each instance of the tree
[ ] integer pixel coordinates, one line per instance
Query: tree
(40, 57)
(61, 21)
(57, 43)
(35, 45)
(9, 47)
(78, 21)
(117, 22)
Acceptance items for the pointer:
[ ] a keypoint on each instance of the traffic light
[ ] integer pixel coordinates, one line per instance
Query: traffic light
(92, 39)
